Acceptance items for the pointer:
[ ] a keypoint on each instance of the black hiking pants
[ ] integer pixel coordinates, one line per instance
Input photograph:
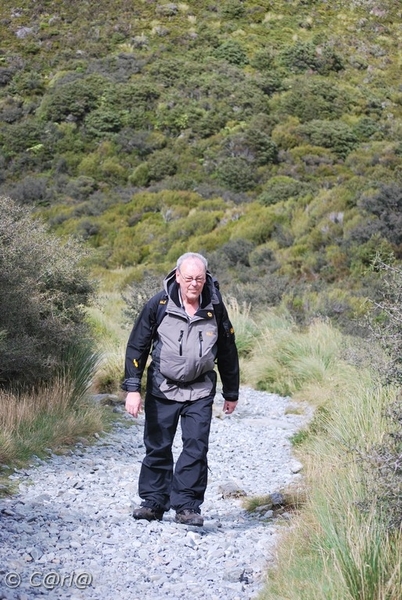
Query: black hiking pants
(161, 483)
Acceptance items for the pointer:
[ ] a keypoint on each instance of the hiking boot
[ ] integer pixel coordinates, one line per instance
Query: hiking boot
(148, 513)
(189, 517)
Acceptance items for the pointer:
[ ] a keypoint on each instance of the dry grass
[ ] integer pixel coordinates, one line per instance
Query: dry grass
(50, 417)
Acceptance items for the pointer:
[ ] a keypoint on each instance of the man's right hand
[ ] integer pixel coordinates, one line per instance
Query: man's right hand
(133, 403)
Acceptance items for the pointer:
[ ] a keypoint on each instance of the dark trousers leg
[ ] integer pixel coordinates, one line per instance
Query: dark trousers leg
(155, 481)
(191, 471)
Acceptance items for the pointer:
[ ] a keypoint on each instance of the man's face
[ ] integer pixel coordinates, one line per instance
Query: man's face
(191, 279)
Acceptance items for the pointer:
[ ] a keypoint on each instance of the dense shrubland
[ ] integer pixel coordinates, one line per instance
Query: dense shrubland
(265, 135)
(149, 128)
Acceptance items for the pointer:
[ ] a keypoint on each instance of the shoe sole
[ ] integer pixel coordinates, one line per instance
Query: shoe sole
(189, 522)
(149, 518)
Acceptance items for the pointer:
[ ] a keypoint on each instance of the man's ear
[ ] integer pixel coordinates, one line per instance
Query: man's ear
(177, 275)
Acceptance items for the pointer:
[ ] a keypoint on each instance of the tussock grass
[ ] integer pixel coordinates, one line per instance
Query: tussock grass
(111, 331)
(52, 415)
(340, 545)
(45, 418)
(285, 359)
(110, 371)
(246, 329)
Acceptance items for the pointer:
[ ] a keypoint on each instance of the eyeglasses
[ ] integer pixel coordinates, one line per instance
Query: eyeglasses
(189, 279)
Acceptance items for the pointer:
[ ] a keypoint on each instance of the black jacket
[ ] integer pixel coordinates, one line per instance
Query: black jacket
(211, 338)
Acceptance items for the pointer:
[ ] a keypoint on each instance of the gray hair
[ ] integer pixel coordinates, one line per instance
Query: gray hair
(194, 256)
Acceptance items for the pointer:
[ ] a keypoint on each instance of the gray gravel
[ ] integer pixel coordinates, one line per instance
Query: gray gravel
(68, 532)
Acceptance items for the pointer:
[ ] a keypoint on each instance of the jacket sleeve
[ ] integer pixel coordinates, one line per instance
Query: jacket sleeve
(139, 345)
(227, 358)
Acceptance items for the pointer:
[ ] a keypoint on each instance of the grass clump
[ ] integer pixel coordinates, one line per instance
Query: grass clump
(345, 541)
(287, 359)
(52, 415)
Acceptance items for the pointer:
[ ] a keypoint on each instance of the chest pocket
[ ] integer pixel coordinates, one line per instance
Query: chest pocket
(188, 348)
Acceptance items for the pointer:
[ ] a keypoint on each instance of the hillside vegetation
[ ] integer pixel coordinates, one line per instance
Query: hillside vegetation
(265, 134)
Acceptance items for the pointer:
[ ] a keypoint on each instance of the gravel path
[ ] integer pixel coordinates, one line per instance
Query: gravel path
(68, 532)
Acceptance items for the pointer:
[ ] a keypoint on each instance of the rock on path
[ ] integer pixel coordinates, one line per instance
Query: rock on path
(68, 532)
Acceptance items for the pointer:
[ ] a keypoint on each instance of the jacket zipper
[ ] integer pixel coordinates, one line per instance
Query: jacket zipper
(200, 338)
(181, 343)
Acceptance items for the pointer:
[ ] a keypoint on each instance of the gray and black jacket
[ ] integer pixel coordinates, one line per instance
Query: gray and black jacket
(184, 350)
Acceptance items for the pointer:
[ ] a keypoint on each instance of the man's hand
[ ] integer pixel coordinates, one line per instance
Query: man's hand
(228, 407)
(133, 403)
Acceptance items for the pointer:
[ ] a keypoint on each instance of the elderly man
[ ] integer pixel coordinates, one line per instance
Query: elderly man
(187, 330)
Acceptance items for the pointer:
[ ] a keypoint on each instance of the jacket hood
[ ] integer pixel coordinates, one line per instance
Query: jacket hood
(209, 295)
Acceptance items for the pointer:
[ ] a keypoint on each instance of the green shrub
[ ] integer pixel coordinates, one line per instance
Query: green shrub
(102, 121)
(232, 52)
(263, 59)
(138, 292)
(253, 145)
(233, 9)
(142, 142)
(312, 99)
(27, 83)
(265, 149)
(130, 96)
(112, 170)
(18, 137)
(383, 207)
(237, 174)
(161, 164)
(43, 294)
(31, 190)
(237, 252)
(10, 110)
(140, 175)
(281, 188)
(335, 135)
(73, 99)
(80, 187)
(366, 129)
(305, 56)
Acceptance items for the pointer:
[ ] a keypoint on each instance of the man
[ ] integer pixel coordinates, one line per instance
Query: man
(187, 329)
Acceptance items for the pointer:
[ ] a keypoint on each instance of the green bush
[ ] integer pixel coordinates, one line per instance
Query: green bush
(237, 174)
(73, 99)
(11, 110)
(128, 96)
(161, 164)
(263, 59)
(18, 137)
(366, 129)
(140, 141)
(80, 187)
(102, 121)
(281, 188)
(335, 135)
(232, 52)
(312, 99)
(140, 175)
(233, 9)
(385, 207)
(43, 294)
(237, 252)
(305, 56)
(265, 149)
(31, 190)
(138, 292)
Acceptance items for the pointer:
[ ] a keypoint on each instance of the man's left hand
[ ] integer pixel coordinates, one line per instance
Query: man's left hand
(228, 407)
